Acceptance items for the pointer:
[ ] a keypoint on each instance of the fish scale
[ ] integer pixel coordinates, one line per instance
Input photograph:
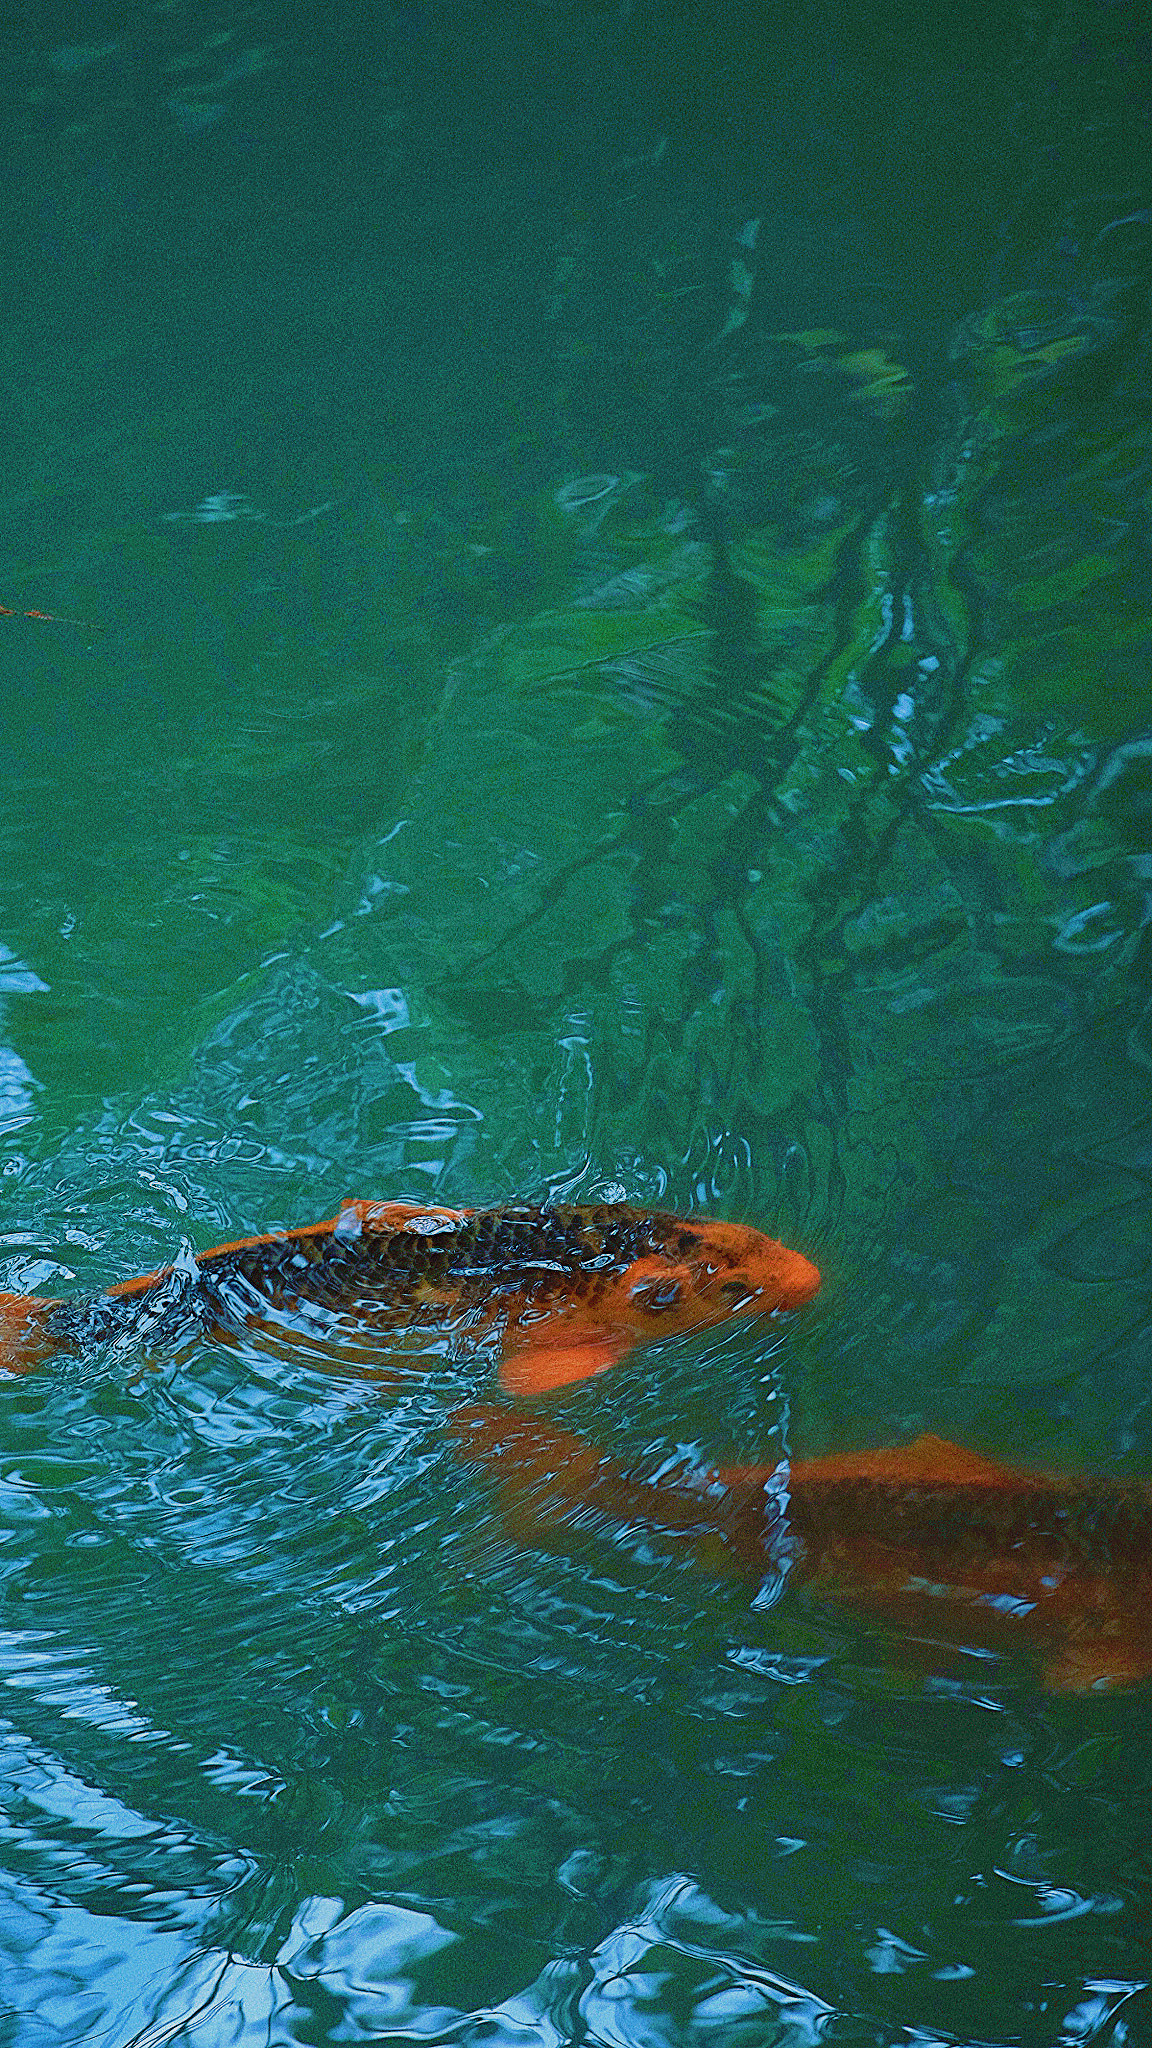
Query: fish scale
(1108, 1520)
(569, 1289)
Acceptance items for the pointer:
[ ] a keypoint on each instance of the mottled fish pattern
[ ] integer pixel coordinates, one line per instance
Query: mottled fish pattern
(569, 1289)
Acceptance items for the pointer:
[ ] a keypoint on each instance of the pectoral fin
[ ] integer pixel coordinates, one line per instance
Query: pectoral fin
(538, 1364)
(1115, 1654)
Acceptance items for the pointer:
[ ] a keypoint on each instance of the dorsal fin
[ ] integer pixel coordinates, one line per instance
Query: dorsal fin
(927, 1461)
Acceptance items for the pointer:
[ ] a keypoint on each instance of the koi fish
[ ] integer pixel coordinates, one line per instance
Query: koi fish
(933, 1538)
(569, 1289)
(8, 611)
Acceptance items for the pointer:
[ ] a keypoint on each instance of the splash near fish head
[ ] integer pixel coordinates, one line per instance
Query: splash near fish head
(646, 1276)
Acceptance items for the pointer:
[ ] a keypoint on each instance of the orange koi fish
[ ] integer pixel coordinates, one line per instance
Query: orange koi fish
(8, 611)
(935, 1539)
(570, 1289)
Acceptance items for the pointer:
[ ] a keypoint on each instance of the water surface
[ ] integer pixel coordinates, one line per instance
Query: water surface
(610, 545)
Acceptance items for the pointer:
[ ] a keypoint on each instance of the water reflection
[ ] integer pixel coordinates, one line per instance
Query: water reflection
(646, 690)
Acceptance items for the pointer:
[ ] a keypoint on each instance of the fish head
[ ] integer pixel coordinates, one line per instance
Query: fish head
(704, 1272)
(680, 1276)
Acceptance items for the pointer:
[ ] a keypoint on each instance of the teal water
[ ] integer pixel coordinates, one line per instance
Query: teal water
(611, 545)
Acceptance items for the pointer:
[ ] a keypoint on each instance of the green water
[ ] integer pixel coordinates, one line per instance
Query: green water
(612, 551)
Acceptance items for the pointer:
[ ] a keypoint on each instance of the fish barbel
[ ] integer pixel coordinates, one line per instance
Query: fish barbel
(570, 1289)
(932, 1538)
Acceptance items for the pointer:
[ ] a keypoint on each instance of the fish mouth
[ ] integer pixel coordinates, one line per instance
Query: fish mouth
(803, 1279)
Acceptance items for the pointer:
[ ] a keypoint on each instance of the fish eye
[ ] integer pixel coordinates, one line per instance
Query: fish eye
(738, 1290)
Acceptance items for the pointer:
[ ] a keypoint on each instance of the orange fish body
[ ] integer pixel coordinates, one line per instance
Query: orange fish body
(930, 1536)
(571, 1289)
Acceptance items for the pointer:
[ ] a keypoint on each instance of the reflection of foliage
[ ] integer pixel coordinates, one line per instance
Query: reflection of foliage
(845, 807)
(780, 830)
(870, 377)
